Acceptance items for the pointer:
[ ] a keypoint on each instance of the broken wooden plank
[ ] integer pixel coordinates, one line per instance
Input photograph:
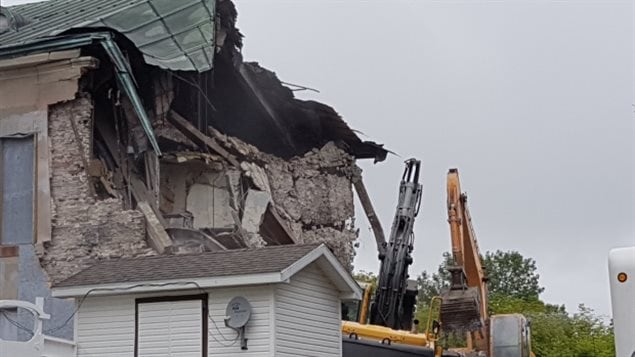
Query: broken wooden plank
(140, 193)
(152, 175)
(199, 138)
(158, 238)
(108, 187)
(367, 205)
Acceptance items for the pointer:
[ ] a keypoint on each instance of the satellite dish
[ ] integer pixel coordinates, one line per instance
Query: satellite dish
(237, 313)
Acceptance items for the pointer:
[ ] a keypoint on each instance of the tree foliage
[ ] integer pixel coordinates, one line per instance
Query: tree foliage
(430, 285)
(366, 277)
(511, 274)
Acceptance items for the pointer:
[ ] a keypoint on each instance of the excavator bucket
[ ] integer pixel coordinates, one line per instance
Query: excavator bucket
(460, 305)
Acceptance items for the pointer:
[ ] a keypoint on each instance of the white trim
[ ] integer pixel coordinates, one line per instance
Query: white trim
(76, 322)
(356, 290)
(272, 322)
(349, 296)
(168, 285)
(303, 262)
(36, 309)
(322, 251)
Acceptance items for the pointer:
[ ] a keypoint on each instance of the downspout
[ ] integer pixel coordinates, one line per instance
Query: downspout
(129, 85)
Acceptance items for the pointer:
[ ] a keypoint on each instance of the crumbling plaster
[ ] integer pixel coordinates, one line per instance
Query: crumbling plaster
(313, 194)
(84, 229)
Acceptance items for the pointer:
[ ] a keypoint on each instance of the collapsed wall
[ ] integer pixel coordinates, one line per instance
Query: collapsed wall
(84, 229)
(313, 193)
(208, 203)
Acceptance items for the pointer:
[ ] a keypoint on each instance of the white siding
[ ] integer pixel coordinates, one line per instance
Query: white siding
(301, 318)
(105, 327)
(307, 316)
(258, 330)
(170, 328)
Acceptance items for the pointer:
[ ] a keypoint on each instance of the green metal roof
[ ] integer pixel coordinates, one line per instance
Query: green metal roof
(172, 34)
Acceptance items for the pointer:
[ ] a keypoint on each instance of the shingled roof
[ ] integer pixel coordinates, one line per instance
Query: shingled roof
(204, 265)
(269, 265)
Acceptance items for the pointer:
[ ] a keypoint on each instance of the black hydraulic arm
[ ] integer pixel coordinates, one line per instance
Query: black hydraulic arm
(391, 306)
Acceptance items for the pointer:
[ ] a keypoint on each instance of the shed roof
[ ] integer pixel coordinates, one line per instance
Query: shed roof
(274, 264)
(176, 35)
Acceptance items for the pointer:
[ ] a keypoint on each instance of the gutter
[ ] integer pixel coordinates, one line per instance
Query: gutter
(124, 73)
(167, 285)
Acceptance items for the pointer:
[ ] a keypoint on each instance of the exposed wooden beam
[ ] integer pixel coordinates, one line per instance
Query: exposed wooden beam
(158, 238)
(141, 194)
(199, 138)
(367, 205)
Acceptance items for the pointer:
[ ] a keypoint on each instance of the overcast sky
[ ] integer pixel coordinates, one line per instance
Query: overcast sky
(531, 100)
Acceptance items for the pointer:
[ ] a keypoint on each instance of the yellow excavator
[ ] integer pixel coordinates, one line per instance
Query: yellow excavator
(464, 303)
(384, 326)
(385, 315)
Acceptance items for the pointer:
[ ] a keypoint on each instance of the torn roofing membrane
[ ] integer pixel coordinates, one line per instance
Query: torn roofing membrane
(174, 35)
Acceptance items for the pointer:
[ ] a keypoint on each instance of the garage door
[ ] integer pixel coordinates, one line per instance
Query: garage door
(171, 328)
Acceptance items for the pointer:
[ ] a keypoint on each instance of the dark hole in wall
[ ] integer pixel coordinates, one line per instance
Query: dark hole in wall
(271, 230)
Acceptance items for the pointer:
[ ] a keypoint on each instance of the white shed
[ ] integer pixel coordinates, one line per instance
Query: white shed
(176, 305)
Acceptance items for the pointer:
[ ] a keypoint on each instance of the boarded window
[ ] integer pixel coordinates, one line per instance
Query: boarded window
(16, 188)
(175, 326)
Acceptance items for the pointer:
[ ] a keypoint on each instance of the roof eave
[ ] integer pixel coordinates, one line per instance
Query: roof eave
(166, 285)
(334, 270)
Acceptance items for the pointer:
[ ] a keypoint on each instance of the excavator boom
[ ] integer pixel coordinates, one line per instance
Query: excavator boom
(464, 304)
(394, 299)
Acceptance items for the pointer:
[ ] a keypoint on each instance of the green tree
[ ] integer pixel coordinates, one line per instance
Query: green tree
(430, 285)
(366, 277)
(511, 274)
(582, 334)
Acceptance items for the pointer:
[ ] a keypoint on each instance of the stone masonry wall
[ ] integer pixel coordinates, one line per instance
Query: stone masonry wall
(84, 229)
(313, 194)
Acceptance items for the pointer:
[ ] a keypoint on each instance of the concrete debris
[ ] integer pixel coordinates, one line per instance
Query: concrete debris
(188, 241)
(256, 204)
(257, 175)
(210, 206)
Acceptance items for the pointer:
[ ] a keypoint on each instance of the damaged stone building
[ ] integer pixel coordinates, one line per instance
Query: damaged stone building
(134, 128)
